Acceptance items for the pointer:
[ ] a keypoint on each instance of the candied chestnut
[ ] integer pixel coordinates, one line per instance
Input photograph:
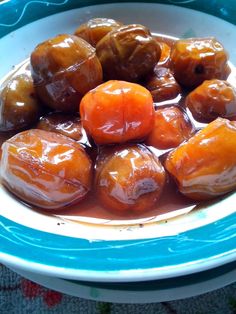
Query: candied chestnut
(205, 166)
(129, 178)
(45, 169)
(95, 29)
(212, 99)
(117, 112)
(195, 60)
(171, 127)
(128, 53)
(19, 106)
(162, 85)
(64, 68)
(66, 124)
(165, 54)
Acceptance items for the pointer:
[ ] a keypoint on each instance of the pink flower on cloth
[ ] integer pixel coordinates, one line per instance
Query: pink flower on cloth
(32, 290)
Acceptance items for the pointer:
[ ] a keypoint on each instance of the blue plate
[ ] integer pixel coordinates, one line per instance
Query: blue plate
(190, 241)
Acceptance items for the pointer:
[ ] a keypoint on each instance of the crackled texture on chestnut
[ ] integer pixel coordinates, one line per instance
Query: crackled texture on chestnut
(129, 178)
(45, 169)
(171, 127)
(205, 166)
(95, 29)
(195, 60)
(128, 53)
(212, 99)
(64, 68)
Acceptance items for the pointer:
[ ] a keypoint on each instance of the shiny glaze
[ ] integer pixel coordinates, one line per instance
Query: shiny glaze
(165, 54)
(211, 99)
(95, 29)
(128, 53)
(64, 68)
(68, 125)
(162, 84)
(129, 178)
(170, 200)
(172, 126)
(197, 59)
(205, 166)
(117, 112)
(45, 169)
(19, 106)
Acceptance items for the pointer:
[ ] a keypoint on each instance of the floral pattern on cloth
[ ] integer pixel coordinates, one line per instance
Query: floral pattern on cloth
(32, 290)
(22, 296)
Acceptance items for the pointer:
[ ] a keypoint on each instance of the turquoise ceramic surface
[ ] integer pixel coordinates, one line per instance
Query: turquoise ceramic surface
(201, 240)
(16, 13)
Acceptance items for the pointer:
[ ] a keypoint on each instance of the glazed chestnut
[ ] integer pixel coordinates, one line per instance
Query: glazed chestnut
(66, 124)
(212, 99)
(95, 29)
(45, 169)
(19, 106)
(164, 60)
(162, 85)
(129, 178)
(128, 53)
(64, 68)
(195, 60)
(205, 166)
(117, 112)
(171, 127)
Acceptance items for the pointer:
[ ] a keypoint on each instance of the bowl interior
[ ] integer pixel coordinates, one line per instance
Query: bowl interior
(40, 231)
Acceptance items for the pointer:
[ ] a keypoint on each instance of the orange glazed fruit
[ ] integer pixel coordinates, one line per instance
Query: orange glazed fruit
(195, 60)
(212, 99)
(162, 85)
(117, 112)
(205, 166)
(172, 126)
(129, 178)
(45, 169)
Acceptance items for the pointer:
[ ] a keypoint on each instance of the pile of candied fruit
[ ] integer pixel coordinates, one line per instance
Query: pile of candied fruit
(117, 111)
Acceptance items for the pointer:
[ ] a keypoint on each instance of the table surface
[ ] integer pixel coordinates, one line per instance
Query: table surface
(21, 296)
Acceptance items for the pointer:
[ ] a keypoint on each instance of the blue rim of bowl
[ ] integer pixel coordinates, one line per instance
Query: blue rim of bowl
(128, 260)
(16, 13)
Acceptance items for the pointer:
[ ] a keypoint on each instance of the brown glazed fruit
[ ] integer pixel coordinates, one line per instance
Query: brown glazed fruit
(45, 169)
(162, 85)
(66, 124)
(171, 127)
(129, 179)
(95, 29)
(64, 68)
(205, 166)
(19, 107)
(128, 53)
(212, 99)
(195, 60)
